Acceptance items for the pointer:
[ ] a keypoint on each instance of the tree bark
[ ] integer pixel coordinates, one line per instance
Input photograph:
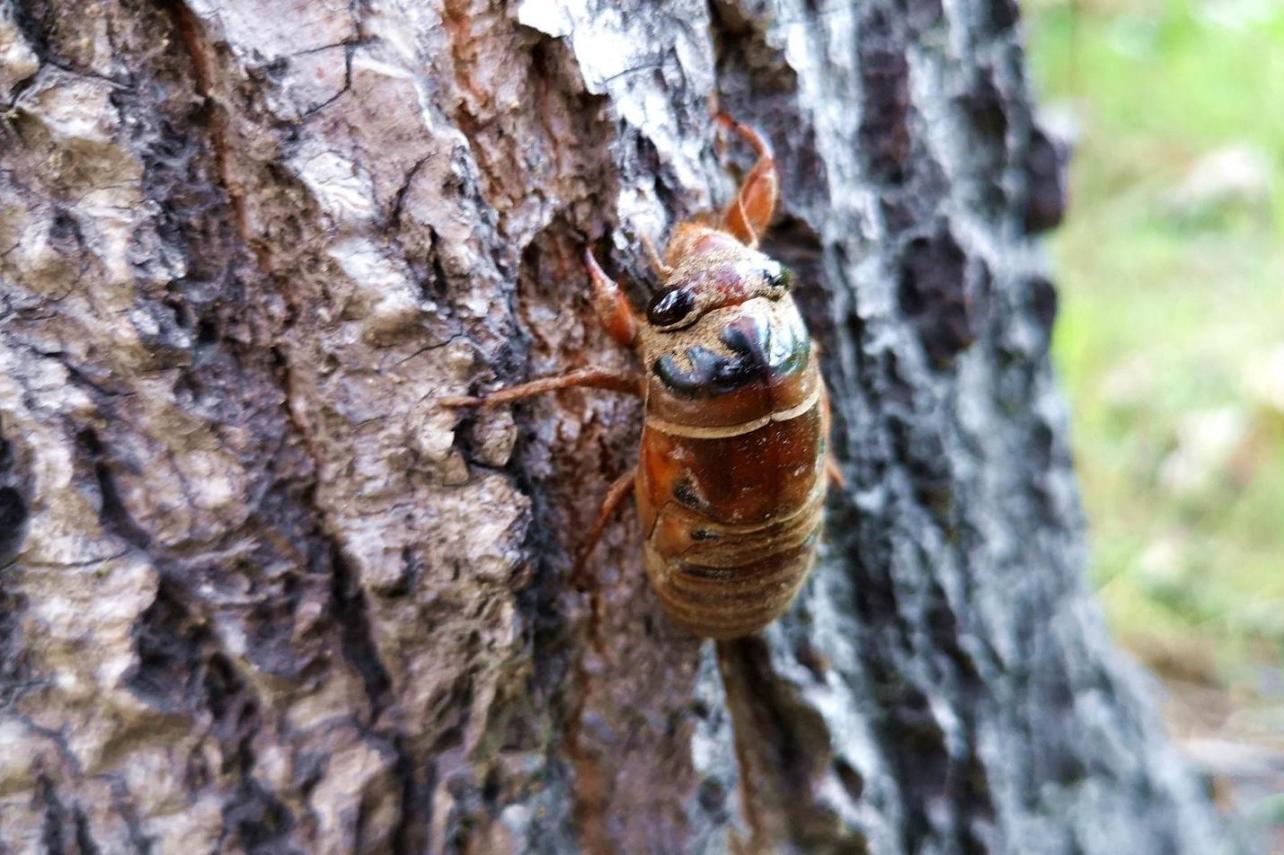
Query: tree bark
(260, 594)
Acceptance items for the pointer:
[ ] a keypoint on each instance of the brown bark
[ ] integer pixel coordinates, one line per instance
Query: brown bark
(259, 593)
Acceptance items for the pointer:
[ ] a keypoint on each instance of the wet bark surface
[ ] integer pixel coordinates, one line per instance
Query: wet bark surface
(259, 593)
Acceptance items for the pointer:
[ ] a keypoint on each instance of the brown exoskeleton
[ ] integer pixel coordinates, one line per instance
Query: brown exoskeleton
(731, 478)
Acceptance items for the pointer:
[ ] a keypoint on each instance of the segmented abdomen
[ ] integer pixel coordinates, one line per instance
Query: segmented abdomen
(732, 512)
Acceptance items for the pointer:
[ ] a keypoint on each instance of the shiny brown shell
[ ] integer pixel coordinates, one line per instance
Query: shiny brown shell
(731, 480)
(732, 469)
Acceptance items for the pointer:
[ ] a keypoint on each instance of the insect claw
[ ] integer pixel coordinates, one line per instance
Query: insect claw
(609, 303)
(654, 258)
(746, 133)
(460, 401)
(750, 212)
(835, 474)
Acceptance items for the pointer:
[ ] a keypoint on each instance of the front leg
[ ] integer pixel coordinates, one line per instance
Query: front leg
(750, 212)
(613, 310)
(597, 378)
(615, 315)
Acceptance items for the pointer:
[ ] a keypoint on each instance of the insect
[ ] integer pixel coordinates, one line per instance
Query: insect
(733, 465)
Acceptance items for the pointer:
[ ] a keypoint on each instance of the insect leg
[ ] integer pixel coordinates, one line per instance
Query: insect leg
(835, 474)
(749, 213)
(657, 263)
(612, 307)
(619, 490)
(833, 471)
(597, 378)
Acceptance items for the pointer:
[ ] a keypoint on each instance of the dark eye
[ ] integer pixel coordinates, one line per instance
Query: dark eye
(670, 306)
(780, 278)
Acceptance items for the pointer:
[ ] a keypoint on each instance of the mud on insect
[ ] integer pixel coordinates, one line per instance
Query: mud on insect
(733, 464)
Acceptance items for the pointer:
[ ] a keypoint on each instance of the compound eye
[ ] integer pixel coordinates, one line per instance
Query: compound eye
(780, 278)
(670, 306)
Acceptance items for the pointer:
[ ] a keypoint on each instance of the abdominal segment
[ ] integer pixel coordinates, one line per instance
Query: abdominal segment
(743, 480)
(729, 602)
(732, 521)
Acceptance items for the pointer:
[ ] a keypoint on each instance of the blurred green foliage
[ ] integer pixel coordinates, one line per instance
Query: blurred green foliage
(1171, 333)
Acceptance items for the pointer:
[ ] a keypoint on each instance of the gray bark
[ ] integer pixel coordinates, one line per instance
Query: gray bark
(259, 593)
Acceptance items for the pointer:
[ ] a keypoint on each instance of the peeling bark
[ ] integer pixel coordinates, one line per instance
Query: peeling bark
(259, 593)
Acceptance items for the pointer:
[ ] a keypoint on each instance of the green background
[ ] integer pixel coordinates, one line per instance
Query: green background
(1170, 339)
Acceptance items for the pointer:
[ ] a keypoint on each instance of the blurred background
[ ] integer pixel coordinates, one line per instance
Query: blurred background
(1171, 342)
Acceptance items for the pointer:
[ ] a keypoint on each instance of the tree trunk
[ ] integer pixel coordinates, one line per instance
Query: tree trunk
(260, 593)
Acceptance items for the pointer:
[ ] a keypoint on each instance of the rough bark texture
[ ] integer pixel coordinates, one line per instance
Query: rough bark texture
(259, 593)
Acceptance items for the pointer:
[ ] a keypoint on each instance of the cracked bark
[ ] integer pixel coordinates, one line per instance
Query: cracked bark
(259, 594)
